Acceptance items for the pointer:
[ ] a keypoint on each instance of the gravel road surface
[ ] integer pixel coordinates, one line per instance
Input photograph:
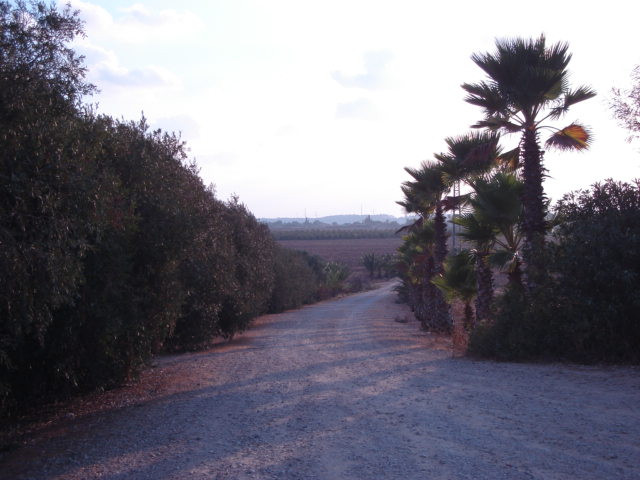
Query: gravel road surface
(340, 390)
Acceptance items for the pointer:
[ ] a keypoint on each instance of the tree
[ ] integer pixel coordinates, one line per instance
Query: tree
(496, 206)
(626, 106)
(417, 268)
(48, 182)
(458, 281)
(370, 263)
(468, 158)
(426, 196)
(527, 85)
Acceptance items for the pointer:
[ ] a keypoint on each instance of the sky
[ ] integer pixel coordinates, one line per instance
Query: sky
(314, 108)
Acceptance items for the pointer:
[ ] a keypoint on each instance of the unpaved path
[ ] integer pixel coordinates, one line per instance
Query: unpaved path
(340, 390)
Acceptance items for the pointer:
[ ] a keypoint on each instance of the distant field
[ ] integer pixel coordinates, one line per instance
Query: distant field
(348, 251)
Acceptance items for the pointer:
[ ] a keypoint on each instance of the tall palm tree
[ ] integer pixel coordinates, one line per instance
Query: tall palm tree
(468, 158)
(527, 85)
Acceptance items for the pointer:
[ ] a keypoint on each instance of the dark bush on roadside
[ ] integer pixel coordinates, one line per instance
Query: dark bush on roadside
(250, 290)
(297, 279)
(111, 247)
(589, 311)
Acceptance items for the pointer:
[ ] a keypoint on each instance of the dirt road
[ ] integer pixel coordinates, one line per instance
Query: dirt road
(340, 390)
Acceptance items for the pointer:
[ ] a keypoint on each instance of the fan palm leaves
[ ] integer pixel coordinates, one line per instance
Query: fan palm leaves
(457, 281)
(526, 86)
(425, 195)
(497, 204)
(469, 156)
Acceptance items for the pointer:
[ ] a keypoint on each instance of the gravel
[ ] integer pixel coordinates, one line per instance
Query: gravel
(341, 390)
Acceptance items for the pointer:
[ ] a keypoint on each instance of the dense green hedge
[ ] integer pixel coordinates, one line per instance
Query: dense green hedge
(111, 247)
(589, 309)
(299, 280)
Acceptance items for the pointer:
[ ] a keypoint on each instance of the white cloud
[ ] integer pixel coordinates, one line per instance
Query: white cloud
(186, 125)
(360, 108)
(375, 65)
(138, 24)
(106, 70)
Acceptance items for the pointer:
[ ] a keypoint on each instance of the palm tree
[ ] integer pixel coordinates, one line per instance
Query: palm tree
(528, 85)
(482, 235)
(496, 205)
(416, 265)
(426, 196)
(470, 157)
(457, 281)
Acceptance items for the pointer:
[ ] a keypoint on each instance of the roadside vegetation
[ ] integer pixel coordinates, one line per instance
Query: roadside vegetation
(568, 272)
(111, 247)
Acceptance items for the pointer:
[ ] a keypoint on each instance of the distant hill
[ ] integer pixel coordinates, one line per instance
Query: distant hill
(335, 220)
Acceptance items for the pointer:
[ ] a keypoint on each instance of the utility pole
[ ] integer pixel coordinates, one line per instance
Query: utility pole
(454, 214)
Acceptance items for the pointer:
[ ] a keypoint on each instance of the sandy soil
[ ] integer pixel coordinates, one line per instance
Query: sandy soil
(342, 390)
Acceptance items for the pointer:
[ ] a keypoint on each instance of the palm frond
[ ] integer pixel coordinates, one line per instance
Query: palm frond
(572, 137)
(510, 159)
(570, 98)
(459, 277)
(487, 96)
(496, 123)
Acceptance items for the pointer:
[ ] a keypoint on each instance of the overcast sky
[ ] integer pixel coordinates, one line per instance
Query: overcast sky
(316, 106)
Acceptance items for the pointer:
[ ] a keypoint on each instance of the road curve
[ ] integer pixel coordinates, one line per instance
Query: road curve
(339, 390)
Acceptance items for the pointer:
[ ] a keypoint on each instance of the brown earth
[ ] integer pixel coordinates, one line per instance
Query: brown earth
(348, 251)
(347, 388)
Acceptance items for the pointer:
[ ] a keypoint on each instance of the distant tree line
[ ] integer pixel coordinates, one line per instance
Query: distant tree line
(333, 234)
(111, 247)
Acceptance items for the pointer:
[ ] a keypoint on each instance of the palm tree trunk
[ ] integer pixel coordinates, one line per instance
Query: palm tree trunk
(484, 279)
(440, 227)
(533, 204)
(515, 277)
(468, 316)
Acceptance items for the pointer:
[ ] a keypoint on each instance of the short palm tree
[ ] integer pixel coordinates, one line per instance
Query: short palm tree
(496, 204)
(417, 266)
(482, 235)
(458, 281)
(527, 85)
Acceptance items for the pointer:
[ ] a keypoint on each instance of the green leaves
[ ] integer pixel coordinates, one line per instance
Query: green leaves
(458, 281)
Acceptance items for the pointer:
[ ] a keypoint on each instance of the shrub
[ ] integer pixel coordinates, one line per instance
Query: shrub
(589, 309)
(297, 280)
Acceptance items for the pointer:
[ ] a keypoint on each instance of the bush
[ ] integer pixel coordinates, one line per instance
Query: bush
(297, 280)
(111, 247)
(589, 310)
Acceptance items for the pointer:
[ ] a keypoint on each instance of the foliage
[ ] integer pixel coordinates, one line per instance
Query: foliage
(626, 105)
(298, 279)
(335, 274)
(111, 247)
(458, 281)
(526, 86)
(588, 309)
(379, 265)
